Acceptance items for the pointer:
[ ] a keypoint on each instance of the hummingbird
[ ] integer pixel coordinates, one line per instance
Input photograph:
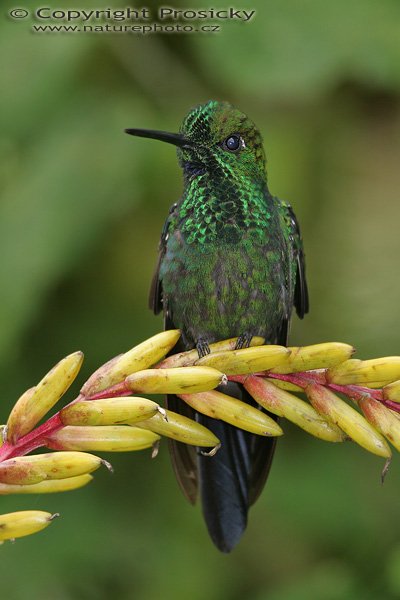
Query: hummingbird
(231, 264)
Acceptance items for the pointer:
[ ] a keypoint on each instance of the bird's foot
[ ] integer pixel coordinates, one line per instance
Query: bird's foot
(211, 452)
(244, 341)
(202, 348)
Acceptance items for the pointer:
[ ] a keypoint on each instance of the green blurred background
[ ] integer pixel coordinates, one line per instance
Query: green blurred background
(82, 206)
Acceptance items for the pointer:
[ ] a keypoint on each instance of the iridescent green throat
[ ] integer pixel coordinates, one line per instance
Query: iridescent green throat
(220, 209)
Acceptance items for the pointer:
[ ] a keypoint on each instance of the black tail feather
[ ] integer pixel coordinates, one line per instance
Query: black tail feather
(228, 480)
(223, 486)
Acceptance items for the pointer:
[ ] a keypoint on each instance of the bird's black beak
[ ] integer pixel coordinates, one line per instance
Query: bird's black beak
(171, 138)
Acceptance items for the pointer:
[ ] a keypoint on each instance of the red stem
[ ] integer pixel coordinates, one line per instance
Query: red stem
(355, 392)
(32, 440)
(38, 437)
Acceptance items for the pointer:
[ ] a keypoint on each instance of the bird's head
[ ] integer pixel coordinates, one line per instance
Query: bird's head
(216, 138)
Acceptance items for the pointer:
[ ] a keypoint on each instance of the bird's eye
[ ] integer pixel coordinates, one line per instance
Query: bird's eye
(233, 143)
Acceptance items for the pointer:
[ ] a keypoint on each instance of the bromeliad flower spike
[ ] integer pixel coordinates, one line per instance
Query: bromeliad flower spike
(108, 415)
(231, 263)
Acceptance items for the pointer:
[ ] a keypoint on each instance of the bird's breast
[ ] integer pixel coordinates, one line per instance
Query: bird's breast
(222, 288)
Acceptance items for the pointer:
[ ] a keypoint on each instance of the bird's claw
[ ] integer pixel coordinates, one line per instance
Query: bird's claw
(202, 348)
(243, 341)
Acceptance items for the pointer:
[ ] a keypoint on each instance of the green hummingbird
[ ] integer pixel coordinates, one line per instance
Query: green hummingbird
(231, 264)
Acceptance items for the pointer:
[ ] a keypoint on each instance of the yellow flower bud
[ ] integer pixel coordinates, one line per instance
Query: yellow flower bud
(247, 360)
(344, 416)
(221, 406)
(286, 405)
(36, 402)
(140, 357)
(317, 356)
(180, 428)
(24, 470)
(379, 371)
(18, 524)
(382, 418)
(108, 411)
(106, 438)
(49, 486)
(175, 381)
(184, 359)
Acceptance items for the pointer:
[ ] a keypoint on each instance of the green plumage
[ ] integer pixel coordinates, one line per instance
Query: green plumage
(231, 264)
(229, 260)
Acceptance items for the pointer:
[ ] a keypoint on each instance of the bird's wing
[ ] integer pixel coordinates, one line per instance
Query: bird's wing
(301, 302)
(155, 295)
(183, 457)
(261, 449)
